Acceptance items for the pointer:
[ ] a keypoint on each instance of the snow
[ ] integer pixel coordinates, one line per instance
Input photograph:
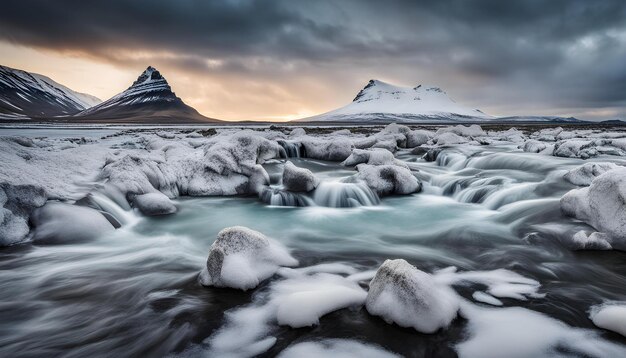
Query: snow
(374, 156)
(338, 348)
(299, 299)
(486, 298)
(241, 258)
(611, 316)
(333, 149)
(584, 174)
(380, 100)
(298, 179)
(402, 294)
(516, 332)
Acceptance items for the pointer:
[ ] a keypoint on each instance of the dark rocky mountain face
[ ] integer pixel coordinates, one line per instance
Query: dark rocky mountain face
(24, 94)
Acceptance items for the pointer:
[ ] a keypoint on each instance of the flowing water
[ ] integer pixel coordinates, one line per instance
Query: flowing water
(135, 292)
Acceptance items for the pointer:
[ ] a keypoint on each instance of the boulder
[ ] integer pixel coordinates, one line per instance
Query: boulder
(584, 174)
(153, 204)
(388, 179)
(241, 258)
(299, 179)
(17, 203)
(402, 294)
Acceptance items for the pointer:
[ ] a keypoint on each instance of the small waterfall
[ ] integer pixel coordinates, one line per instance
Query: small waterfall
(331, 194)
(293, 149)
(281, 197)
(336, 194)
(106, 204)
(451, 159)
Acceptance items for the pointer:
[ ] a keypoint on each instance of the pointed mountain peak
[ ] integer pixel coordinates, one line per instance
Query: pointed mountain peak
(149, 75)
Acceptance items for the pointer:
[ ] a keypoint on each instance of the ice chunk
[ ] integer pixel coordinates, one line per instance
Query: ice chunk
(337, 348)
(17, 202)
(601, 205)
(155, 203)
(584, 174)
(402, 294)
(388, 179)
(418, 137)
(575, 148)
(298, 179)
(473, 130)
(611, 316)
(241, 258)
(59, 223)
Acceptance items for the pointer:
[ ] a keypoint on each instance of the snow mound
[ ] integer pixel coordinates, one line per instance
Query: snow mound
(331, 149)
(473, 130)
(152, 204)
(601, 205)
(418, 137)
(402, 294)
(17, 204)
(299, 299)
(611, 316)
(298, 179)
(534, 146)
(241, 258)
(60, 223)
(338, 348)
(516, 332)
(388, 179)
(448, 138)
(584, 174)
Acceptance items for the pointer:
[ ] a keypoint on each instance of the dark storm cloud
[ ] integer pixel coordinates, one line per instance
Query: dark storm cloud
(536, 53)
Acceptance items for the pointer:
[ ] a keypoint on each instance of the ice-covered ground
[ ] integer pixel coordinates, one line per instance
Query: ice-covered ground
(500, 243)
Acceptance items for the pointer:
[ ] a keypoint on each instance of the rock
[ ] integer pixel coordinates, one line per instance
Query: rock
(402, 294)
(473, 130)
(58, 222)
(575, 148)
(299, 179)
(374, 156)
(17, 202)
(601, 205)
(297, 132)
(594, 241)
(584, 174)
(241, 258)
(153, 204)
(388, 179)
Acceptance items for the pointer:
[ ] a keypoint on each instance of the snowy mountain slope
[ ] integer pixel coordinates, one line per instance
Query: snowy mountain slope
(380, 101)
(149, 98)
(24, 94)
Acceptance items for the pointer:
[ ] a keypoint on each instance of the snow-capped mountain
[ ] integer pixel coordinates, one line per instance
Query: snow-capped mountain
(24, 94)
(148, 99)
(380, 101)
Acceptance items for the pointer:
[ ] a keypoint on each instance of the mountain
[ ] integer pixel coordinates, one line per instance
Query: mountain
(382, 102)
(148, 100)
(533, 119)
(30, 95)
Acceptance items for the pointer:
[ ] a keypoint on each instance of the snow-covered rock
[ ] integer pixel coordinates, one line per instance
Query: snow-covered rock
(155, 203)
(374, 156)
(388, 179)
(241, 258)
(402, 294)
(473, 130)
(17, 202)
(331, 149)
(594, 241)
(298, 179)
(533, 146)
(584, 174)
(297, 132)
(418, 137)
(611, 316)
(575, 148)
(60, 223)
(448, 138)
(601, 205)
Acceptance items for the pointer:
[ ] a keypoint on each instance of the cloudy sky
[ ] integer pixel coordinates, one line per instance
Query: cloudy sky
(244, 59)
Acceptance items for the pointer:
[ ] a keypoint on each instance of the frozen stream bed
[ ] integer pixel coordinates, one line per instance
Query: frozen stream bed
(105, 238)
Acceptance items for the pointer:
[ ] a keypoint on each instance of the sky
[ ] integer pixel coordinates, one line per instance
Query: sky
(286, 59)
